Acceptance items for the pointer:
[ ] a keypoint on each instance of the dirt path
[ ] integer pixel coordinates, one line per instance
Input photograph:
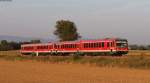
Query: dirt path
(39, 72)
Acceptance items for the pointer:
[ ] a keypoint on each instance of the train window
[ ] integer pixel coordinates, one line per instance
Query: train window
(96, 45)
(42, 47)
(92, 45)
(65, 45)
(108, 44)
(85, 45)
(89, 45)
(61, 46)
(51, 47)
(111, 44)
(102, 44)
(57, 46)
(71, 45)
(75, 46)
(99, 44)
(28, 48)
(46, 47)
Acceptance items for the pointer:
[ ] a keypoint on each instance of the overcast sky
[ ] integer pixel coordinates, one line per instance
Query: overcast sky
(94, 18)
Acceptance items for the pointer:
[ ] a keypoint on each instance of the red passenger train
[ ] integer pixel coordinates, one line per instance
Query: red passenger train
(101, 46)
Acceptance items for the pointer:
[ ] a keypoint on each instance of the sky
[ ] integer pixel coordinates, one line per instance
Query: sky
(94, 19)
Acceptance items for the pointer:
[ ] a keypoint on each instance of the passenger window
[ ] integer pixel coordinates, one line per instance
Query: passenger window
(108, 44)
(102, 44)
(99, 45)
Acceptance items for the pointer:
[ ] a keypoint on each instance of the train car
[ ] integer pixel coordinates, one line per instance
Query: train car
(36, 48)
(105, 46)
(67, 47)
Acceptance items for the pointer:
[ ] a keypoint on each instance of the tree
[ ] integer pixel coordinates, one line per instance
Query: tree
(15, 45)
(141, 47)
(4, 42)
(66, 31)
(148, 47)
(5, 46)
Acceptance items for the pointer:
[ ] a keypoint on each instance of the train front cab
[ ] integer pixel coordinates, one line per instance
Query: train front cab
(121, 46)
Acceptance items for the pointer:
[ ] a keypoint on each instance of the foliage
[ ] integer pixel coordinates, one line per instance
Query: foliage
(66, 30)
(139, 47)
(5, 46)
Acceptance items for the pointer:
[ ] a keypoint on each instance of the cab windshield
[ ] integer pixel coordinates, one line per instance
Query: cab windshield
(122, 43)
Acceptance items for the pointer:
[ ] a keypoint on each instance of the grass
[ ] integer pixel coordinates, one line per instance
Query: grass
(137, 61)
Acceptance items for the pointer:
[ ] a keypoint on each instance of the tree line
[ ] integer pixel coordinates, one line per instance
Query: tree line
(139, 47)
(6, 45)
